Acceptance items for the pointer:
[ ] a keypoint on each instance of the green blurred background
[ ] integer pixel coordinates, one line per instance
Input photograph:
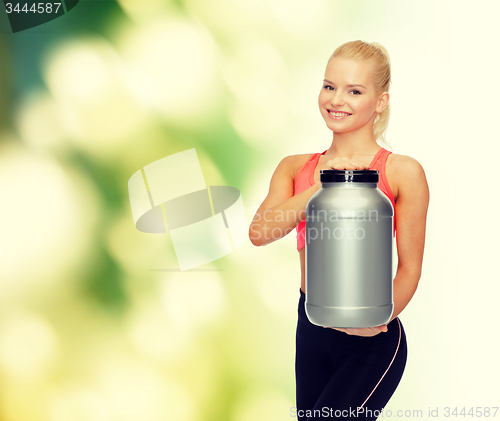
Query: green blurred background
(97, 323)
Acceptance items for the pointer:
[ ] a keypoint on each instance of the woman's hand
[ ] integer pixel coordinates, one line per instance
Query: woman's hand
(339, 164)
(346, 164)
(363, 331)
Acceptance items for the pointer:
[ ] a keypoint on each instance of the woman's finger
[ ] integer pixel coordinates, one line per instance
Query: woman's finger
(337, 164)
(346, 164)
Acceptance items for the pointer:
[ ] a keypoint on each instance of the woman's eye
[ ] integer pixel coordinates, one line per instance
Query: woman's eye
(331, 88)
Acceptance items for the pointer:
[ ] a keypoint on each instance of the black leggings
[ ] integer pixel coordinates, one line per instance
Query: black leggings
(341, 376)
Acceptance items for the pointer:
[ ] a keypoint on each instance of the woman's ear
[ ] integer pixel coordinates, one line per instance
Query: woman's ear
(383, 102)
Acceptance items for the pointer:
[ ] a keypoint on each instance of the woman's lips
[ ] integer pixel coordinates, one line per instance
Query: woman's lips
(339, 116)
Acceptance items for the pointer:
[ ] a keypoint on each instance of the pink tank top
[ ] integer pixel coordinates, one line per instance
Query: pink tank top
(305, 179)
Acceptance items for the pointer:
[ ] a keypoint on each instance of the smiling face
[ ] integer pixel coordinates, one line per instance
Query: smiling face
(358, 105)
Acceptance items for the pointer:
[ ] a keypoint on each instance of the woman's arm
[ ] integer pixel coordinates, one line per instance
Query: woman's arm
(281, 211)
(411, 211)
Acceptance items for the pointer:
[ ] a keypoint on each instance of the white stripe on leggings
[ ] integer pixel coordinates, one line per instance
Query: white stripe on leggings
(399, 340)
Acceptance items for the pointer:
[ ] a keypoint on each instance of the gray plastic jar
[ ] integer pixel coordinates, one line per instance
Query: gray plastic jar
(349, 233)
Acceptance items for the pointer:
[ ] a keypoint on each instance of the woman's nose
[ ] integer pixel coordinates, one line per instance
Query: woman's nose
(337, 99)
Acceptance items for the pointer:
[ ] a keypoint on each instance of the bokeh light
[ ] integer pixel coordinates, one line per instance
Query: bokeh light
(262, 402)
(90, 82)
(174, 66)
(193, 301)
(39, 122)
(28, 346)
(47, 211)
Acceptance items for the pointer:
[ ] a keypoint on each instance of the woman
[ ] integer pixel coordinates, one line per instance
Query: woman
(350, 373)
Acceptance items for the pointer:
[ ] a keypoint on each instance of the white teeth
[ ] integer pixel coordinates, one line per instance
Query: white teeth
(338, 114)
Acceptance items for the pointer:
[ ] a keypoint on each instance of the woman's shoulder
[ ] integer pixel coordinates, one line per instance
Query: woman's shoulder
(405, 171)
(403, 163)
(296, 162)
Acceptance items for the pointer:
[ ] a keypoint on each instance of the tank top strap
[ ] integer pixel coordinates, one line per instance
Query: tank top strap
(313, 160)
(379, 159)
(305, 175)
(379, 164)
(301, 170)
(313, 165)
(383, 157)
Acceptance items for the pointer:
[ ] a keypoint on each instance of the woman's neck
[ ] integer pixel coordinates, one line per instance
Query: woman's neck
(350, 145)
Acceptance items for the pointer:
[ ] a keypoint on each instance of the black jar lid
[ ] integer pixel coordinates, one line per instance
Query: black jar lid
(350, 176)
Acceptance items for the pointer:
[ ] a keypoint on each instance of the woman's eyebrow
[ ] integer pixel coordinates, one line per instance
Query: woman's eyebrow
(349, 86)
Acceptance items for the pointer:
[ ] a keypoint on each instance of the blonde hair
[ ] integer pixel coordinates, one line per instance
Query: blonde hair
(381, 73)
